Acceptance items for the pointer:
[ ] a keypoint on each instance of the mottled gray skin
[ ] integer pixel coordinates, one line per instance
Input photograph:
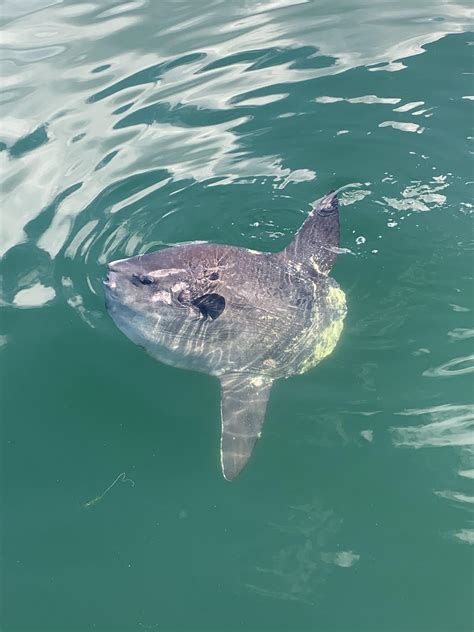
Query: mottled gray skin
(246, 317)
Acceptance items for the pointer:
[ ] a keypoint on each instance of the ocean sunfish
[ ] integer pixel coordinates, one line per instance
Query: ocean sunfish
(246, 317)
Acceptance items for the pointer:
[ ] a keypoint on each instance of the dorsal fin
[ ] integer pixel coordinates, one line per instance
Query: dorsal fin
(316, 241)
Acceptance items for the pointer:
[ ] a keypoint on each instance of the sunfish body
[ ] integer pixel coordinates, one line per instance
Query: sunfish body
(246, 317)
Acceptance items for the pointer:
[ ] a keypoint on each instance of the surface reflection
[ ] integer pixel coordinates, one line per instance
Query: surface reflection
(445, 426)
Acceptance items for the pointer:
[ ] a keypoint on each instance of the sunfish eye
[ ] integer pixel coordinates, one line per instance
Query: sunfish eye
(143, 279)
(184, 297)
(146, 280)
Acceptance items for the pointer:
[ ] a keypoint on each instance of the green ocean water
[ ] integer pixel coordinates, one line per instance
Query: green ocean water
(130, 125)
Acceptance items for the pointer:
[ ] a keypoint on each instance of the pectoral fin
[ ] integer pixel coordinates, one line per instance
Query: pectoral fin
(210, 305)
(243, 403)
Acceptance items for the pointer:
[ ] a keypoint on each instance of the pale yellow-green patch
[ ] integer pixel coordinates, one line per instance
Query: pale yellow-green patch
(337, 298)
(327, 339)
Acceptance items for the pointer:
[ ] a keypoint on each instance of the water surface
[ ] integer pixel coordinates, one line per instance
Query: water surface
(130, 125)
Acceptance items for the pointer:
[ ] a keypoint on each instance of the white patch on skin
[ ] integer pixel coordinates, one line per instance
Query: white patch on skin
(315, 265)
(163, 297)
(156, 274)
(270, 363)
(179, 286)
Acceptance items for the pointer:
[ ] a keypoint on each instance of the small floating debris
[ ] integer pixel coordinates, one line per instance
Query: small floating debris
(121, 477)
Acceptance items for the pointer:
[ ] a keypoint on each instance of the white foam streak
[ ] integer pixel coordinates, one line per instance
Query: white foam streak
(465, 535)
(404, 127)
(456, 366)
(369, 99)
(448, 425)
(455, 496)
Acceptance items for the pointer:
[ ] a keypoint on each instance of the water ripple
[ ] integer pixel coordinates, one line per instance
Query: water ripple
(456, 366)
(448, 425)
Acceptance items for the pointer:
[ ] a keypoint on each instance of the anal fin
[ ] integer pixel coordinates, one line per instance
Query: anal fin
(244, 400)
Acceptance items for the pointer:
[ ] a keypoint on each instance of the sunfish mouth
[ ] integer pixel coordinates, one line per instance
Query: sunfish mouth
(110, 280)
(114, 271)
